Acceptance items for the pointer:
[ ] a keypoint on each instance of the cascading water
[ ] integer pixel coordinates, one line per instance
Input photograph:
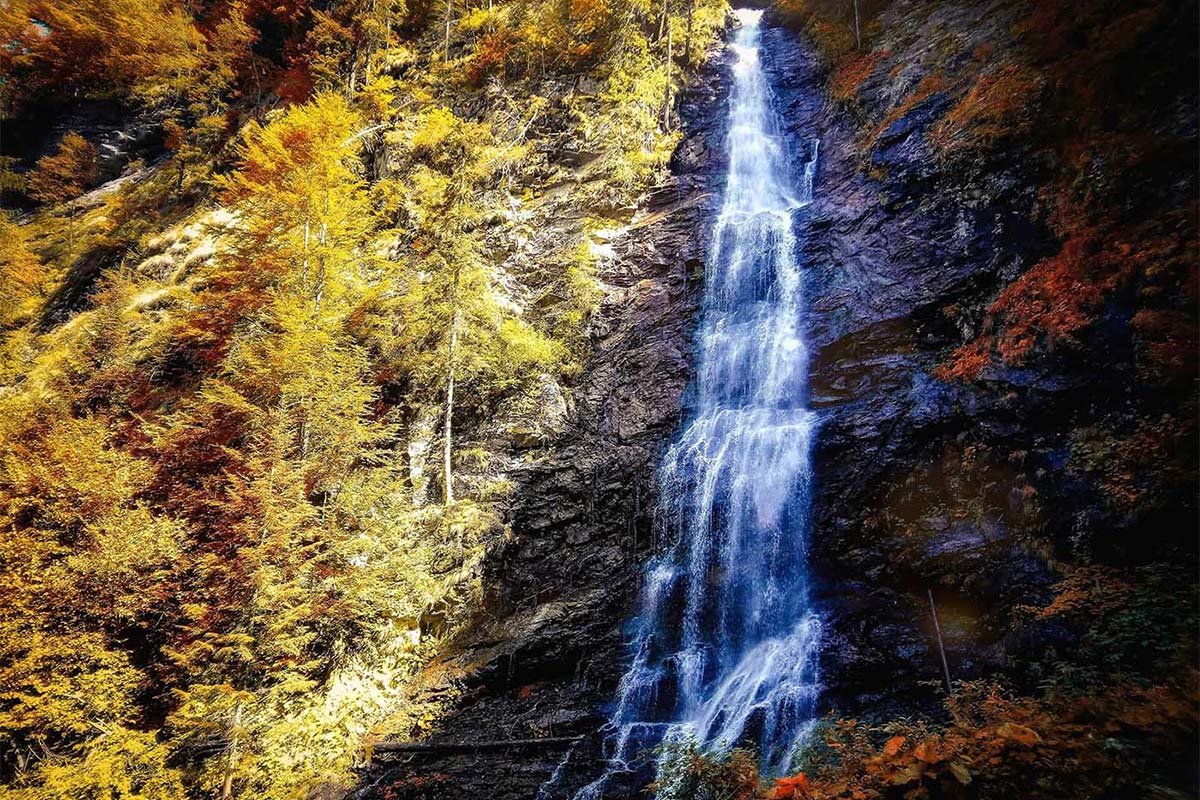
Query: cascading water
(725, 645)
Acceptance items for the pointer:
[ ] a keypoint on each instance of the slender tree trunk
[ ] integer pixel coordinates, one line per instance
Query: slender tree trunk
(941, 647)
(231, 764)
(371, 43)
(304, 261)
(667, 90)
(321, 239)
(857, 34)
(306, 406)
(4, 116)
(446, 43)
(687, 40)
(448, 437)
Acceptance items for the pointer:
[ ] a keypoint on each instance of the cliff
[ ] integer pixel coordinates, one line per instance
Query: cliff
(1003, 426)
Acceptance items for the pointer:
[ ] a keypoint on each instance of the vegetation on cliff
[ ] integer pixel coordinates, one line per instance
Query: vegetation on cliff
(251, 384)
(270, 342)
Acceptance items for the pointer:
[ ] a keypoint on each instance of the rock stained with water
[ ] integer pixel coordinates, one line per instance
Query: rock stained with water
(725, 644)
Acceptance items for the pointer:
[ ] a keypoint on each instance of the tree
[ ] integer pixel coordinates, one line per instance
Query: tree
(83, 565)
(65, 174)
(339, 50)
(22, 275)
(458, 334)
(294, 385)
(143, 48)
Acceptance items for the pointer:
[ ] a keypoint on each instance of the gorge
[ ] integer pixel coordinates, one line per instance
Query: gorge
(605, 399)
(920, 486)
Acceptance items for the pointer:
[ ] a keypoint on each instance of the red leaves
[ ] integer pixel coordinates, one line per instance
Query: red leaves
(796, 787)
(995, 106)
(65, 174)
(967, 361)
(928, 752)
(1019, 734)
(491, 56)
(1058, 297)
(844, 83)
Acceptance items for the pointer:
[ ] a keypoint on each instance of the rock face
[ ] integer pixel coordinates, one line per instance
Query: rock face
(967, 491)
(975, 491)
(878, 274)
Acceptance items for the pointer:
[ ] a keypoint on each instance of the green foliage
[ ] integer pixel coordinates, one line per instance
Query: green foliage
(686, 772)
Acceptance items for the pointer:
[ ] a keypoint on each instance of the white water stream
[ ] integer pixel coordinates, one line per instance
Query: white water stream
(725, 645)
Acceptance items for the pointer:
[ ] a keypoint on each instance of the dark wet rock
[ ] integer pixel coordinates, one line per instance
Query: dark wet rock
(888, 247)
(904, 249)
(963, 540)
(119, 134)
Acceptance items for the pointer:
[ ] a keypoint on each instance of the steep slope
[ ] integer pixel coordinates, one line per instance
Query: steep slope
(271, 372)
(957, 205)
(546, 655)
(342, 345)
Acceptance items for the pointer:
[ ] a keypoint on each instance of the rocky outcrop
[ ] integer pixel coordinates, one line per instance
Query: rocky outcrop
(878, 275)
(967, 489)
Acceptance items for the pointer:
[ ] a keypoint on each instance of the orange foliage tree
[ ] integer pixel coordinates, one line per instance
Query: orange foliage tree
(147, 48)
(66, 173)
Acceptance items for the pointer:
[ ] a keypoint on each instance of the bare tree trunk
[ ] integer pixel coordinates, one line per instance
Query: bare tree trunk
(687, 40)
(321, 240)
(304, 261)
(941, 647)
(446, 44)
(448, 438)
(257, 81)
(227, 784)
(857, 34)
(371, 44)
(667, 90)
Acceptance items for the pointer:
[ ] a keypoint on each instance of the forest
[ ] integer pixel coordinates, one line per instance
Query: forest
(310, 317)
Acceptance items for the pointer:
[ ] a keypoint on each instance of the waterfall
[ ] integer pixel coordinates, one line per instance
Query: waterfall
(725, 646)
